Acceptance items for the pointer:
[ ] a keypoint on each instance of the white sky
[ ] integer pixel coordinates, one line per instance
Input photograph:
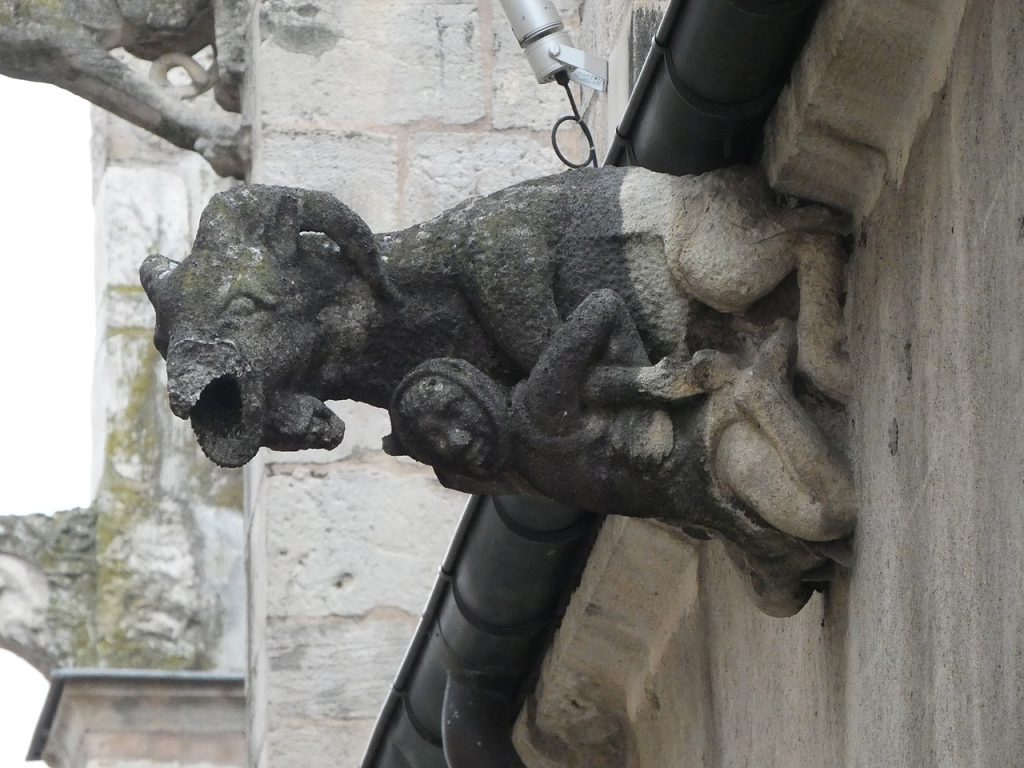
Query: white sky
(47, 318)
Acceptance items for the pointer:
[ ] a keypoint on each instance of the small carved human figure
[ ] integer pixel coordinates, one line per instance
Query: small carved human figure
(735, 456)
(66, 43)
(288, 300)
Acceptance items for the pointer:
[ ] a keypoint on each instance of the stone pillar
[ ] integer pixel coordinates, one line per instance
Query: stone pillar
(169, 586)
(151, 575)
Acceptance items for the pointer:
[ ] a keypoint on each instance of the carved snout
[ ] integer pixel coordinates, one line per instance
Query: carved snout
(152, 272)
(210, 383)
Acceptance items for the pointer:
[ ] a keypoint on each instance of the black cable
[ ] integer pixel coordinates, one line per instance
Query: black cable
(562, 78)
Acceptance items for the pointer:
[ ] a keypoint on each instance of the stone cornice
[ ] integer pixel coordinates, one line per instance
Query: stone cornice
(864, 84)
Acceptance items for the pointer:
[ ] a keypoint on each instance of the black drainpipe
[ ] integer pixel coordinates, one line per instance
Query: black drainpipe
(713, 73)
(485, 626)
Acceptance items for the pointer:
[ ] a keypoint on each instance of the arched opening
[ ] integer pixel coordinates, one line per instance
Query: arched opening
(21, 700)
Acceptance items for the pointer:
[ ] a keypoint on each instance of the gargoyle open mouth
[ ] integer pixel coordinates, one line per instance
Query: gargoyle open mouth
(211, 384)
(228, 425)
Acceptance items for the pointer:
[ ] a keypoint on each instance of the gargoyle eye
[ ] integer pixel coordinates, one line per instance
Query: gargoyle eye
(241, 306)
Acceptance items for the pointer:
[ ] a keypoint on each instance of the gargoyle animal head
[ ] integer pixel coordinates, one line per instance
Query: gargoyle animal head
(244, 321)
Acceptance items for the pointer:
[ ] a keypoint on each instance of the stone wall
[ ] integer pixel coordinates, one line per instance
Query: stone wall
(915, 656)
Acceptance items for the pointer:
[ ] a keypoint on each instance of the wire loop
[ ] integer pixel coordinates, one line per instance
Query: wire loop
(575, 117)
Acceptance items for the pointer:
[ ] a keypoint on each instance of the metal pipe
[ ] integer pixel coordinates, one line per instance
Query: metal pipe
(478, 718)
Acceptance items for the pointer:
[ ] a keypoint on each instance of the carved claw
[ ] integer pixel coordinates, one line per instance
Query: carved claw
(671, 380)
(201, 79)
(228, 154)
(296, 422)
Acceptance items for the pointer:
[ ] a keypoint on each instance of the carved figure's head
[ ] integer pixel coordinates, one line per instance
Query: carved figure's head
(243, 322)
(450, 415)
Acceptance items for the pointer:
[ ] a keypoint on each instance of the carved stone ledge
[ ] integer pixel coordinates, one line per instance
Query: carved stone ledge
(865, 82)
(137, 717)
(640, 591)
(662, 661)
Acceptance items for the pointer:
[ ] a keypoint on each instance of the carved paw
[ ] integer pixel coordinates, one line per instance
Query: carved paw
(229, 155)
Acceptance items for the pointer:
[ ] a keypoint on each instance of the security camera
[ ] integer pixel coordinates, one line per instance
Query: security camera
(548, 47)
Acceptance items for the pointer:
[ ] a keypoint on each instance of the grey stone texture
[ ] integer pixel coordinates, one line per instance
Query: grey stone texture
(341, 553)
(48, 586)
(914, 658)
(868, 77)
(369, 100)
(257, 329)
(169, 580)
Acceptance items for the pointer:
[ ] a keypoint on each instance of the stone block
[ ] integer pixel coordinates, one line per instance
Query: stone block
(865, 82)
(445, 169)
(312, 743)
(334, 669)
(360, 168)
(342, 64)
(144, 720)
(342, 540)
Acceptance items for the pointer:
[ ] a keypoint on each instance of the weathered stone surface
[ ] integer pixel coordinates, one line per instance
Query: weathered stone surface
(365, 426)
(331, 669)
(294, 742)
(912, 658)
(146, 721)
(360, 167)
(247, 374)
(341, 558)
(445, 169)
(47, 587)
(865, 82)
(151, 574)
(639, 593)
(938, 325)
(662, 660)
(347, 541)
(421, 65)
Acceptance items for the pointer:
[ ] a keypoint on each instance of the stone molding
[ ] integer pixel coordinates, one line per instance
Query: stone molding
(107, 716)
(865, 83)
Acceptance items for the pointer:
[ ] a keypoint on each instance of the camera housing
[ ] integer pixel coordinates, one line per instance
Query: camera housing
(549, 50)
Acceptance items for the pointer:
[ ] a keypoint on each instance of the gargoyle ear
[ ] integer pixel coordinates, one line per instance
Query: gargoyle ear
(323, 212)
(392, 446)
(282, 229)
(151, 273)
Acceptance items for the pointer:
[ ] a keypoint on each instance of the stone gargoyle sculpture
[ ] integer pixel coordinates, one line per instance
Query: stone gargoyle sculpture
(68, 43)
(616, 339)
